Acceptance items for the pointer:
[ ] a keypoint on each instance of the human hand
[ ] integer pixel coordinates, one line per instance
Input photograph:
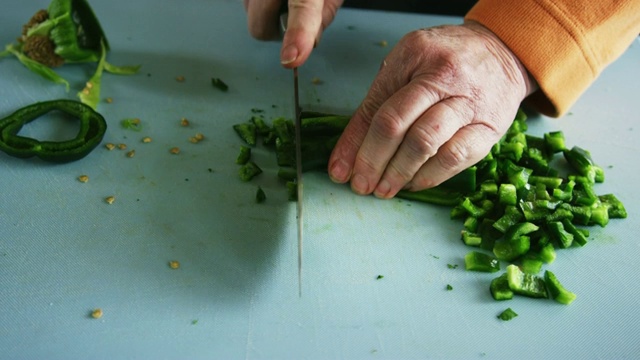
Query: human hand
(442, 98)
(307, 21)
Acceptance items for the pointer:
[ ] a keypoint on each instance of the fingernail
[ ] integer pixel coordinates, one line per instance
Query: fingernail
(383, 189)
(339, 171)
(289, 54)
(359, 184)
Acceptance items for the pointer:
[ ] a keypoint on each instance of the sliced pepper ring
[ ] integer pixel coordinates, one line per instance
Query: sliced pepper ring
(92, 129)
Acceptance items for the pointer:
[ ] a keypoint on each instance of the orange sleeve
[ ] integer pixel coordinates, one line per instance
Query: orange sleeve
(564, 44)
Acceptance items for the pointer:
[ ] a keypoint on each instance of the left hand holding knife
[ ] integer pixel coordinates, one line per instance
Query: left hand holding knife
(306, 21)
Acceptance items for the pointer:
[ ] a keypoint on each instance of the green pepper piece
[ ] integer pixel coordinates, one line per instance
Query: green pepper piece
(261, 126)
(510, 217)
(500, 288)
(558, 233)
(526, 284)
(578, 236)
(244, 155)
(77, 32)
(437, 195)
(219, 84)
(477, 261)
(558, 292)
(507, 314)
(92, 130)
(555, 141)
(470, 238)
(247, 132)
(260, 195)
(580, 159)
(249, 170)
(614, 206)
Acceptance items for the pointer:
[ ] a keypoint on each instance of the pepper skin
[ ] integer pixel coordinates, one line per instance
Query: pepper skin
(92, 129)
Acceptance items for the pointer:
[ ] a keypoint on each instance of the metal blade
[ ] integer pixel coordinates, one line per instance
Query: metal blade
(299, 184)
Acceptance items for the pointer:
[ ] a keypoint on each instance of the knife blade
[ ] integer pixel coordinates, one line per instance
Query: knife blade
(284, 17)
(299, 184)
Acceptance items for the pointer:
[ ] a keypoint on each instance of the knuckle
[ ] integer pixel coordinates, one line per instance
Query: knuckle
(422, 142)
(455, 153)
(387, 124)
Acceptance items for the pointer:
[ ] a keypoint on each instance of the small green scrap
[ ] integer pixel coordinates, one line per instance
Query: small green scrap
(131, 124)
(379, 277)
(449, 287)
(507, 314)
(260, 196)
(219, 84)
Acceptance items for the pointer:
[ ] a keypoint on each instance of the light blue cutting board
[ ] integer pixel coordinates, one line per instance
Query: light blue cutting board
(64, 251)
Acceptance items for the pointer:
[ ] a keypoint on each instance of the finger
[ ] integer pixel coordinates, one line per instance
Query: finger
(421, 142)
(468, 146)
(386, 132)
(304, 25)
(262, 18)
(344, 152)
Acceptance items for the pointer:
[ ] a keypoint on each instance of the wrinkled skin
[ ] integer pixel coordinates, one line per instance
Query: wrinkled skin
(442, 98)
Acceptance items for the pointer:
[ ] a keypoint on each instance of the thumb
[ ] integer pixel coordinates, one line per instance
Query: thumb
(303, 27)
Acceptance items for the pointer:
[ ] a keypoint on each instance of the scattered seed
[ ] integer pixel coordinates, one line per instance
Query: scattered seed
(146, 139)
(109, 146)
(96, 313)
(196, 138)
(122, 146)
(110, 199)
(109, 100)
(180, 78)
(174, 264)
(83, 178)
(175, 150)
(131, 153)
(184, 122)
(383, 43)
(316, 81)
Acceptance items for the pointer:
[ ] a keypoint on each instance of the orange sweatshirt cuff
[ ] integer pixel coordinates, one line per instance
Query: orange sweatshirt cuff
(561, 47)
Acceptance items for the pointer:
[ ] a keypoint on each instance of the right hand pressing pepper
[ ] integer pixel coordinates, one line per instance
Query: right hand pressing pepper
(441, 99)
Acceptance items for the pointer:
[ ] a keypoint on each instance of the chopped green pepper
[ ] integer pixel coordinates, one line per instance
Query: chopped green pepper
(525, 284)
(92, 130)
(477, 261)
(507, 314)
(260, 195)
(249, 170)
(558, 292)
(244, 155)
(217, 83)
(500, 288)
(247, 132)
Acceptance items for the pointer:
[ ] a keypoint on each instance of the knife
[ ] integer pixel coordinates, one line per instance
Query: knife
(298, 141)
